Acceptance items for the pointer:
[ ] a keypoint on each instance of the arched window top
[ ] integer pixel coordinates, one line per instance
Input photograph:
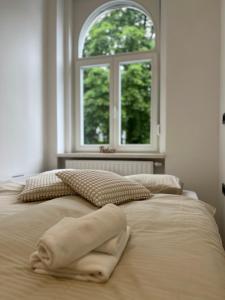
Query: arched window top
(117, 29)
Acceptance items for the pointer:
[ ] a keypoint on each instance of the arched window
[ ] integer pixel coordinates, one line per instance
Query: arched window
(116, 72)
(119, 30)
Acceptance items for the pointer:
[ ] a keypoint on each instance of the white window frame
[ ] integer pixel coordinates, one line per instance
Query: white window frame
(114, 61)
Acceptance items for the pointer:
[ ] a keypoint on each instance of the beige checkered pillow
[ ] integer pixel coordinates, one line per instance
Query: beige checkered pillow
(159, 183)
(44, 186)
(102, 187)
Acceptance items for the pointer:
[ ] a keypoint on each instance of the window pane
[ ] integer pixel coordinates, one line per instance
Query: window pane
(136, 79)
(96, 105)
(119, 31)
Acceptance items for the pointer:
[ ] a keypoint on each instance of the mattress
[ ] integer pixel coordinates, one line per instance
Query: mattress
(175, 252)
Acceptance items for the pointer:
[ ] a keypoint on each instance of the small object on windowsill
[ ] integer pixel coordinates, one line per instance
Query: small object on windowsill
(103, 149)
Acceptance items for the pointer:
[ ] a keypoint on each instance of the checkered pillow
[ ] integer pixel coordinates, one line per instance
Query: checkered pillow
(102, 187)
(44, 186)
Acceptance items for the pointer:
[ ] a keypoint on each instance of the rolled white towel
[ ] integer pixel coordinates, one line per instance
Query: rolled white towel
(95, 266)
(111, 246)
(72, 238)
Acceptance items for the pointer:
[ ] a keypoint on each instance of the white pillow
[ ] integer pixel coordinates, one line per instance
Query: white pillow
(159, 183)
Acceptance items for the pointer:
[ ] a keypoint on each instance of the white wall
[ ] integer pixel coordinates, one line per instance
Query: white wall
(192, 93)
(222, 127)
(60, 138)
(51, 108)
(22, 86)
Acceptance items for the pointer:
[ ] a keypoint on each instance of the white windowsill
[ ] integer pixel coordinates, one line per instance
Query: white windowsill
(112, 155)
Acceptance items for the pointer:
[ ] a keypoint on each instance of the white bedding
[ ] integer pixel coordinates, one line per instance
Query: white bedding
(190, 194)
(8, 199)
(10, 190)
(10, 206)
(175, 253)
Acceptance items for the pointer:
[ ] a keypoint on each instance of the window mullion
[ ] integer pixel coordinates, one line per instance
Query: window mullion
(112, 93)
(116, 110)
(154, 103)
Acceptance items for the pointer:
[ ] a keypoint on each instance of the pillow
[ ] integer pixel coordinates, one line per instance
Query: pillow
(159, 183)
(44, 186)
(102, 187)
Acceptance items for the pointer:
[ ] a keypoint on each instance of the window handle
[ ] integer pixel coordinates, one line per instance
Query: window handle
(115, 111)
(158, 130)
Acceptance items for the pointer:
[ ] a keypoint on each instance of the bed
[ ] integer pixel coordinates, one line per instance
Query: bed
(175, 251)
(9, 205)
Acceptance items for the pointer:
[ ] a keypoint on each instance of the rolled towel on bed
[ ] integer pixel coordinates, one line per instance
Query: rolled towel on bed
(72, 238)
(111, 246)
(95, 266)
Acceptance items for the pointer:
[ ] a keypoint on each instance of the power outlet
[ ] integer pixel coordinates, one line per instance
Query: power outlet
(223, 189)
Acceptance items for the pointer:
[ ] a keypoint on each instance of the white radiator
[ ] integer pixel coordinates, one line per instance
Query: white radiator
(121, 167)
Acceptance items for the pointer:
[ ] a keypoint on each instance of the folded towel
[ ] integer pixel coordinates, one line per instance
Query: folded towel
(95, 266)
(111, 246)
(72, 238)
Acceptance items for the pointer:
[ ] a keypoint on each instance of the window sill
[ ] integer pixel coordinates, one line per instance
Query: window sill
(117, 155)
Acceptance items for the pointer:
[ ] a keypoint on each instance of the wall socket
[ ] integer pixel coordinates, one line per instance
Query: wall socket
(223, 188)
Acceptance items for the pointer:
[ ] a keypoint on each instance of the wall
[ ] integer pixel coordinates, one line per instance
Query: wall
(51, 107)
(66, 17)
(222, 127)
(22, 86)
(192, 61)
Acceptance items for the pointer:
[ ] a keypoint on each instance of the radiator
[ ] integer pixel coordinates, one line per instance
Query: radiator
(121, 167)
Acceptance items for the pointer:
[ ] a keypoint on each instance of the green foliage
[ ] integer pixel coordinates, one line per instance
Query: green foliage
(118, 31)
(136, 95)
(96, 105)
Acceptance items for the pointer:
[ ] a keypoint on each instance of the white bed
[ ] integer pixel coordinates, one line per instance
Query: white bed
(174, 253)
(9, 204)
(8, 198)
